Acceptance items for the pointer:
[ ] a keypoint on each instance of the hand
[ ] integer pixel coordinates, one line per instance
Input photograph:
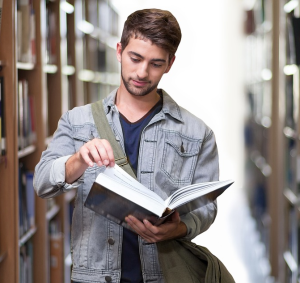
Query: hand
(171, 229)
(97, 151)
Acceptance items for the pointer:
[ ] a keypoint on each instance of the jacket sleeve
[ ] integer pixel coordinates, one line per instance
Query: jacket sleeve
(207, 170)
(49, 175)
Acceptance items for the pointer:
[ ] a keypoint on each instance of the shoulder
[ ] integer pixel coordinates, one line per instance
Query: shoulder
(80, 115)
(180, 119)
(193, 125)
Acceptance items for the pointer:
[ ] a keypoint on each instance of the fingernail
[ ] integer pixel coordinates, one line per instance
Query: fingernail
(99, 163)
(106, 162)
(91, 164)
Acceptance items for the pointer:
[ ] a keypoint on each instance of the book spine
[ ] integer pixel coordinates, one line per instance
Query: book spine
(20, 115)
(32, 120)
(30, 199)
(32, 36)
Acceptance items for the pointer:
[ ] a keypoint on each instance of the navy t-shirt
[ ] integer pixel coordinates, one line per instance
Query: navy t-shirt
(130, 260)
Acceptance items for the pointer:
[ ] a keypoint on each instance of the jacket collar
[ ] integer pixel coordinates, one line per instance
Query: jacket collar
(170, 107)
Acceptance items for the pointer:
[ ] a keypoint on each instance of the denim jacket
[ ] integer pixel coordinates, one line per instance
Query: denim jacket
(176, 149)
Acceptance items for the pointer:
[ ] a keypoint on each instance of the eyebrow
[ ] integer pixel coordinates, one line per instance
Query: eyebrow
(140, 56)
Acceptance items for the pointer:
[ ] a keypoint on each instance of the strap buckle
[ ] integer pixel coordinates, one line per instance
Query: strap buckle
(121, 161)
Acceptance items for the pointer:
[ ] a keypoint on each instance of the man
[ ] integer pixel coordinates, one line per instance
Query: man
(166, 145)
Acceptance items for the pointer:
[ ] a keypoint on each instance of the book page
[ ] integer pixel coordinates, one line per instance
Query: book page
(192, 192)
(120, 182)
(122, 177)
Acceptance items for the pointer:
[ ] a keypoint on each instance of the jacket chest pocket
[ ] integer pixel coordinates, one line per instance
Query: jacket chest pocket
(82, 135)
(179, 158)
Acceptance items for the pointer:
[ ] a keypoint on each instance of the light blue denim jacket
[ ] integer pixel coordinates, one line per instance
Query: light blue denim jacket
(176, 149)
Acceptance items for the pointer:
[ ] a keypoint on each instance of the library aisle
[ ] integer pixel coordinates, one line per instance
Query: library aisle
(212, 89)
(237, 68)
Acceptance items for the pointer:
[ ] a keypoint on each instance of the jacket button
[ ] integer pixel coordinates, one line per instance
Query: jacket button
(108, 279)
(111, 241)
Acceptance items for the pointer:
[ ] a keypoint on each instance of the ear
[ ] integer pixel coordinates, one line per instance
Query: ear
(119, 51)
(170, 64)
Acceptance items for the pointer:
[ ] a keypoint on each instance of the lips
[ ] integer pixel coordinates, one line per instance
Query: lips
(139, 83)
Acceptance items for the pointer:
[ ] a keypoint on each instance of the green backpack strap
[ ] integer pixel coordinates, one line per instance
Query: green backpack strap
(105, 132)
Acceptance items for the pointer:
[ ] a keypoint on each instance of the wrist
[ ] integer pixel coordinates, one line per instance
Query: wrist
(75, 167)
(182, 230)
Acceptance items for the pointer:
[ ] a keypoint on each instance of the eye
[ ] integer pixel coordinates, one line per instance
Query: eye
(135, 60)
(156, 65)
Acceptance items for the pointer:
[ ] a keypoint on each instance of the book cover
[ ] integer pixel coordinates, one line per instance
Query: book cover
(115, 195)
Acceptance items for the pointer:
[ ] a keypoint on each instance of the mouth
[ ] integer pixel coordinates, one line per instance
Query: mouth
(140, 83)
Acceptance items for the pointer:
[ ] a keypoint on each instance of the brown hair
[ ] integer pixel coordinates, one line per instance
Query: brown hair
(159, 26)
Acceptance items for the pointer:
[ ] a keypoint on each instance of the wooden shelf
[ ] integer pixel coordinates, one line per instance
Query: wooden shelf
(51, 86)
(28, 235)
(25, 66)
(52, 212)
(290, 261)
(291, 197)
(290, 133)
(50, 69)
(26, 151)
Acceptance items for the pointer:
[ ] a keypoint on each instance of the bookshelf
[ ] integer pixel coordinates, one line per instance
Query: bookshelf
(290, 13)
(279, 225)
(43, 76)
(259, 125)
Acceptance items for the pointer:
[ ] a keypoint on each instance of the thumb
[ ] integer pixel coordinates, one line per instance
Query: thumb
(175, 217)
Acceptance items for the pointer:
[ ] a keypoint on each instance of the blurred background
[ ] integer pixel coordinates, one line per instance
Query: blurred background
(237, 68)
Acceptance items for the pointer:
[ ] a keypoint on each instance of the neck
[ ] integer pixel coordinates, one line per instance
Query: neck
(134, 107)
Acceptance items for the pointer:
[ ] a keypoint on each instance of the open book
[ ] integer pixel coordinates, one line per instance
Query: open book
(115, 195)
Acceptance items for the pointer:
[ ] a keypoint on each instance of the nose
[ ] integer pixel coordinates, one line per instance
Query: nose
(142, 71)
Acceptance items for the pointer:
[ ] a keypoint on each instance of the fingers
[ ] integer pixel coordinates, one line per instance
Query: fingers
(151, 233)
(97, 151)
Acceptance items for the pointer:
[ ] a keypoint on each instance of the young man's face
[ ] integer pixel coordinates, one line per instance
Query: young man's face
(142, 66)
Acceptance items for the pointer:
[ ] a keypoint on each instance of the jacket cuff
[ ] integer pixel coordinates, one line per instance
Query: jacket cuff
(58, 175)
(191, 225)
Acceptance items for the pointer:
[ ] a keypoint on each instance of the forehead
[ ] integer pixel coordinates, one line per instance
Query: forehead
(146, 48)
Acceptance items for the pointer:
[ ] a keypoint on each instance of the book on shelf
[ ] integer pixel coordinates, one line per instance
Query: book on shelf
(115, 195)
(296, 34)
(56, 258)
(51, 36)
(26, 116)
(26, 200)
(56, 241)
(26, 263)
(26, 39)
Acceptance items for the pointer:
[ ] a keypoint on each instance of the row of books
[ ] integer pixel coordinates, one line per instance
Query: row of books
(26, 263)
(26, 116)
(2, 119)
(51, 47)
(26, 38)
(26, 200)
(56, 243)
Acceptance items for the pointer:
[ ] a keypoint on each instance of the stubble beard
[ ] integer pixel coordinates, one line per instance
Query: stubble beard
(137, 91)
